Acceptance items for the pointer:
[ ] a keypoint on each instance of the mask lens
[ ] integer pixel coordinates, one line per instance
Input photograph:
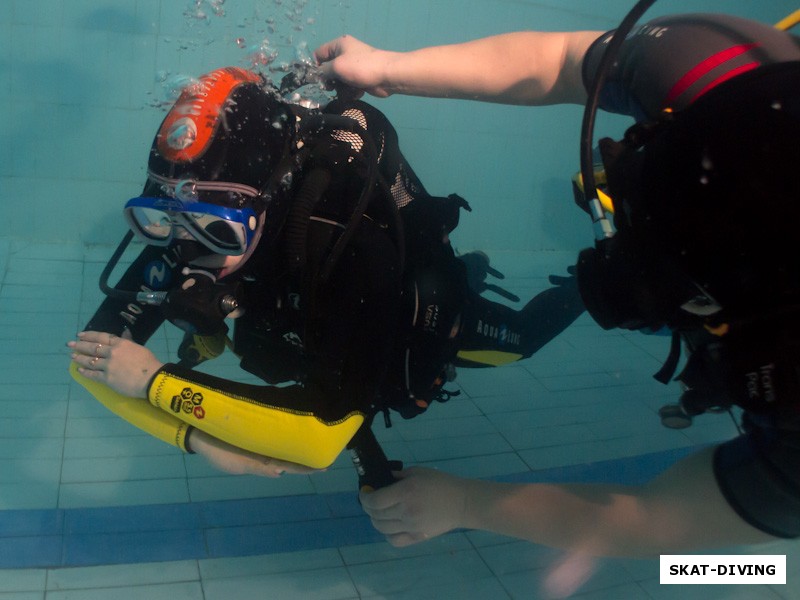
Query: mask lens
(154, 225)
(222, 230)
(226, 237)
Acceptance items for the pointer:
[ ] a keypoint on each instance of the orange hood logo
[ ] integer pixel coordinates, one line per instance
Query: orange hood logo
(189, 127)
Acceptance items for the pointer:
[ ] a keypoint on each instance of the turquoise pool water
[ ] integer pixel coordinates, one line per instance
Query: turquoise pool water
(92, 508)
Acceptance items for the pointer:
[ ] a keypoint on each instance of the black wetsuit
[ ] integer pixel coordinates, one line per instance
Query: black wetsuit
(668, 63)
(383, 331)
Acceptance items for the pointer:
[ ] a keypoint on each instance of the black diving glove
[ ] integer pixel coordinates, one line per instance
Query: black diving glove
(564, 280)
(478, 268)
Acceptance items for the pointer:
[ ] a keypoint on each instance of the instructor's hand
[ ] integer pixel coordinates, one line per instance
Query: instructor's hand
(353, 67)
(424, 503)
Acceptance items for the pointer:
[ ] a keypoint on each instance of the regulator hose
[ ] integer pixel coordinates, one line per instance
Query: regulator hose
(604, 230)
(314, 185)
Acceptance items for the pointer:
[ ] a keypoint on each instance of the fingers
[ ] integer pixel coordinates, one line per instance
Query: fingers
(387, 514)
(376, 501)
(91, 352)
(397, 532)
(126, 367)
(90, 349)
(90, 358)
(388, 507)
(390, 527)
(329, 76)
(86, 362)
(330, 50)
(98, 337)
(273, 467)
(96, 343)
(91, 367)
(327, 51)
(342, 76)
(295, 469)
(424, 504)
(379, 501)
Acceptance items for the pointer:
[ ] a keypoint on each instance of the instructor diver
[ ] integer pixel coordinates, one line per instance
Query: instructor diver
(705, 192)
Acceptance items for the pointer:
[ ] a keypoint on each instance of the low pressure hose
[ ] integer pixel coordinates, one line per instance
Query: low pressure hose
(603, 228)
(314, 185)
(126, 295)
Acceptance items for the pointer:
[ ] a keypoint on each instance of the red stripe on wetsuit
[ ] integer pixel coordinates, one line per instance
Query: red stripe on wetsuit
(706, 66)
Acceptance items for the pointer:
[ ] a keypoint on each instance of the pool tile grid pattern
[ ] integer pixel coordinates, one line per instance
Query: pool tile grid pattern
(92, 508)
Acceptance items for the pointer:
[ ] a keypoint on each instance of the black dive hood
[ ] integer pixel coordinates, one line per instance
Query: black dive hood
(229, 127)
(704, 240)
(705, 204)
(233, 127)
(706, 210)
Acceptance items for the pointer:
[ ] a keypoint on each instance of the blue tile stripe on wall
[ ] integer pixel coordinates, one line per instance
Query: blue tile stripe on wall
(152, 533)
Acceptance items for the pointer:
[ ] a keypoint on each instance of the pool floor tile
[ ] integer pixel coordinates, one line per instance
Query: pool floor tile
(91, 508)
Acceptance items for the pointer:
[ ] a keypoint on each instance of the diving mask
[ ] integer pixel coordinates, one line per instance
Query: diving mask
(219, 218)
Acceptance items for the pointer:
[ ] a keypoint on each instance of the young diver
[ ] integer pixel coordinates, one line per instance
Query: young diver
(311, 228)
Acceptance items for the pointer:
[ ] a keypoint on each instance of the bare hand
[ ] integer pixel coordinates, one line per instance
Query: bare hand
(121, 364)
(423, 504)
(353, 67)
(241, 462)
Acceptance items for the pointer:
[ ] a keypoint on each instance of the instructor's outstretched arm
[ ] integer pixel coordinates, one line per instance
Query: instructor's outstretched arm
(680, 510)
(526, 67)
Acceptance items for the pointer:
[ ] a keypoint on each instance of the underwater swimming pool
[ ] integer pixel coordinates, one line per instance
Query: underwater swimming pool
(91, 507)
